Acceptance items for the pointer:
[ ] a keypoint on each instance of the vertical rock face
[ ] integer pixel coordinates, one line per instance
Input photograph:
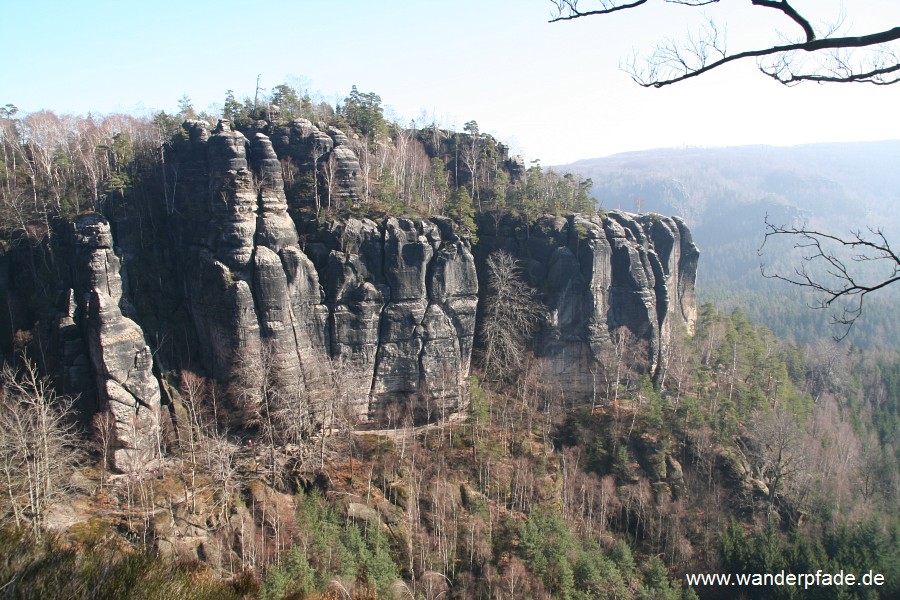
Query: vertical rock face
(71, 351)
(120, 358)
(342, 171)
(596, 275)
(301, 141)
(255, 297)
(322, 163)
(218, 236)
(426, 331)
(382, 311)
(376, 319)
(401, 297)
(350, 257)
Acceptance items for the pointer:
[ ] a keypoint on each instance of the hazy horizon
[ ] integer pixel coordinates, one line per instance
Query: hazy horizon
(553, 92)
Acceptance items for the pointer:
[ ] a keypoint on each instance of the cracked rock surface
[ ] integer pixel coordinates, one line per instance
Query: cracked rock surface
(373, 318)
(121, 359)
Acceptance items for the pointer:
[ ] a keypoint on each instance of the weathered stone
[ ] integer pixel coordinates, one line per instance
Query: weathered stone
(274, 228)
(406, 256)
(306, 148)
(377, 314)
(276, 322)
(121, 359)
(72, 357)
(359, 512)
(232, 197)
(344, 169)
(596, 275)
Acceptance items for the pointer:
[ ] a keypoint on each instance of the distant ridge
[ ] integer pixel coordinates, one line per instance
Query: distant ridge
(724, 194)
(670, 150)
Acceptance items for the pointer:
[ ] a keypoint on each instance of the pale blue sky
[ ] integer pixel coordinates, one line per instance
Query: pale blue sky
(553, 91)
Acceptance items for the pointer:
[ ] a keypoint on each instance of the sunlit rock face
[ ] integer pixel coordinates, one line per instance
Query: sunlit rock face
(122, 363)
(321, 164)
(372, 321)
(401, 296)
(597, 277)
(382, 312)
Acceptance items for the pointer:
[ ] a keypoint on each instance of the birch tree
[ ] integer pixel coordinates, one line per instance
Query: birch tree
(38, 445)
(511, 315)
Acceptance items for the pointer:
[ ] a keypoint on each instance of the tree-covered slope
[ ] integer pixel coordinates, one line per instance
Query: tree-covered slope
(726, 194)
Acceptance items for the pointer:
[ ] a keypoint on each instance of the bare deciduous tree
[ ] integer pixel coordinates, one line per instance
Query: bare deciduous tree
(223, 470)
(38, 444)
(104, 424)
(330, 177)
(361, 147)
(256, 391)
(472, 152)
(193, 397)
(777, 450)
(621, 362)
(511, 314)
(821, 54)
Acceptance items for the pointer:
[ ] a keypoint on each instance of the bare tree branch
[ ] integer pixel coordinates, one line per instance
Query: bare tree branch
(827, 267)
(792, 13)
(609, 6)
(38, 446)
(511, 313)
(814, 46)
(673, 62)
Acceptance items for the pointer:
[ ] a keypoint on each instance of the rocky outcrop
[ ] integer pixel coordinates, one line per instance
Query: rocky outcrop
(121, 359)
(353, 319)
(402, 297)
(341, 171)
(597, 275)
(255, 298)
(322, 164)
(381, 312)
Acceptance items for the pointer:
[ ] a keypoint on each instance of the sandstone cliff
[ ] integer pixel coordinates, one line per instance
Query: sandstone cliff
(372, 320)
(120, 358)
(386, 310)
(596, 275)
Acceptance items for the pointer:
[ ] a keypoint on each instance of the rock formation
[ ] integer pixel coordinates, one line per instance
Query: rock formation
(401, 297)
(120, 357)
(341, 171)
(386, 311)
(321, 163)
(353, 319)
(596, 275)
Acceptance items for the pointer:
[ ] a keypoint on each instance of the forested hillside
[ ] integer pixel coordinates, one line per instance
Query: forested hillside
(726, 194)
(296, 350)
